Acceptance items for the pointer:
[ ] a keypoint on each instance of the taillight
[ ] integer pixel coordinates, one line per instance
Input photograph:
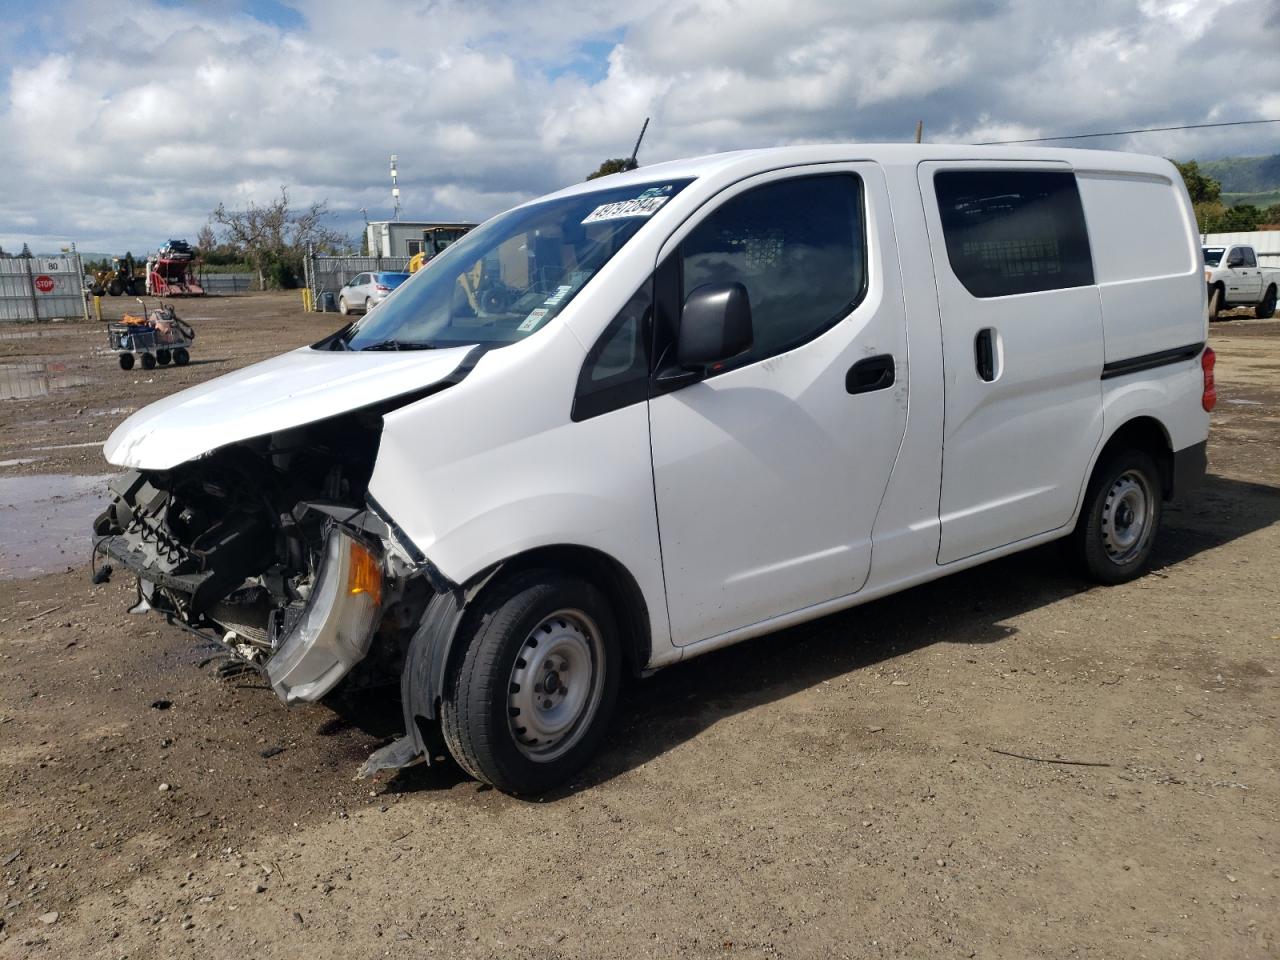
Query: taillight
(1210, 395)
(382, 288)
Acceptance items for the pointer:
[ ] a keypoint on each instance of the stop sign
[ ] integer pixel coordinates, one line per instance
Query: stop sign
(44, 283)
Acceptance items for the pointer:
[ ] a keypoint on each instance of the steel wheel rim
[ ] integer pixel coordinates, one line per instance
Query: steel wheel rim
(1126, 517)
(557, 682)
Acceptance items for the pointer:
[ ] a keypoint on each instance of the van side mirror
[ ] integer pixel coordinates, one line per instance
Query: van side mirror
(715, 325)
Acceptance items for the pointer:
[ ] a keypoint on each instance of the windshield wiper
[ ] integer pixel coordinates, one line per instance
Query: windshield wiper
(399, 345)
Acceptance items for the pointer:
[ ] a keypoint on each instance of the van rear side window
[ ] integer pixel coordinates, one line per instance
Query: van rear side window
(1013, 231)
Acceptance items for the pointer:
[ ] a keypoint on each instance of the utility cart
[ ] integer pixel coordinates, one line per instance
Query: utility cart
(156, 337)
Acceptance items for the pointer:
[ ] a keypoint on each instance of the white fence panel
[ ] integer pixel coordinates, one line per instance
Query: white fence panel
(42, 288)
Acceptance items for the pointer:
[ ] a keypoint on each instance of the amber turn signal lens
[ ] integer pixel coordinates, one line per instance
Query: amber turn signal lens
(364, 576)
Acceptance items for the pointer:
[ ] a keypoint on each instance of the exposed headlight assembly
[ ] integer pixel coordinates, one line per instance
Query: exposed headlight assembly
(336, 627)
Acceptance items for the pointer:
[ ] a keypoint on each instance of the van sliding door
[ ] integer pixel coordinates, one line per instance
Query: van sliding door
(1022, 349)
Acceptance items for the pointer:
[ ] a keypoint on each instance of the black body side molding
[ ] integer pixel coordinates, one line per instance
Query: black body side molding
(1149, 361)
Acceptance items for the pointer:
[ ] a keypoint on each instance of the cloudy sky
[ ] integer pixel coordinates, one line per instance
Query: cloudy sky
(124, 124)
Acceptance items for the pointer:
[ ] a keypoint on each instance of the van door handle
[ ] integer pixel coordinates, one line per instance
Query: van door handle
(984, 355)
(870, 373)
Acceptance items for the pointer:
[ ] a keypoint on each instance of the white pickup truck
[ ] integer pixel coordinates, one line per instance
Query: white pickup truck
(1236, 280)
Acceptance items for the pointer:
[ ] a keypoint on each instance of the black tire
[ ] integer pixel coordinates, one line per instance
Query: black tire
(494, 300)
(367, 305)
(1124, 491)
(1267, 308)
(137, 288)
(114, 288)
(148, 361)
(126, 361)
(180, 357)
(163, 357)
(1215, 301)
(98, 290)
(342, 306)
(482, 726)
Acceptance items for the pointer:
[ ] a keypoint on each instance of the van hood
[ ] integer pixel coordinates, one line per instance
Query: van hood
(291, 390)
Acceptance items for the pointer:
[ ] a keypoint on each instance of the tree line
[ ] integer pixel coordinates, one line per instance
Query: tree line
(1212, 215)
(271, 238)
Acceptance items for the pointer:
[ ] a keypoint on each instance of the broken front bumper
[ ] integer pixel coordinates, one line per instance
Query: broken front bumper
(313, 646)
(335, 628)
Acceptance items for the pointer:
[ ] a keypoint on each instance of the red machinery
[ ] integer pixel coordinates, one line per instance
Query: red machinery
(171, 272)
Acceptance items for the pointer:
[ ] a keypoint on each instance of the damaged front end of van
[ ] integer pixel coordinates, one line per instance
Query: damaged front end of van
(268, 546)
(270, 543)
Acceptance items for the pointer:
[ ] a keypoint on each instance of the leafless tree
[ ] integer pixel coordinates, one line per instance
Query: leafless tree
(275, 231)
(206, 241)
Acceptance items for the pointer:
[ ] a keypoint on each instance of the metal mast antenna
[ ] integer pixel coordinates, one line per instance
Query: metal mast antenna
(631, 164)
(395, 188)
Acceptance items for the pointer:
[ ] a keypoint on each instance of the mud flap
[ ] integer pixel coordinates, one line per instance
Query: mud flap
(394, 756)
(421, 685)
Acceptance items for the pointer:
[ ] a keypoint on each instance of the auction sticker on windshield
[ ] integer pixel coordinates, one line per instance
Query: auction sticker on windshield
(532, 320)
(645, 205)
(559, 295)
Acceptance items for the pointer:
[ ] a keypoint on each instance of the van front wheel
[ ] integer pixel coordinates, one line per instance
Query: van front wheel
(530, 698)
(1120, 518)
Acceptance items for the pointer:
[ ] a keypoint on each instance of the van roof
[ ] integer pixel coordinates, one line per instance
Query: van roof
(743, 163)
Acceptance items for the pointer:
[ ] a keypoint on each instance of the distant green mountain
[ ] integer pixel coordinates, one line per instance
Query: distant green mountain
(1253, 180)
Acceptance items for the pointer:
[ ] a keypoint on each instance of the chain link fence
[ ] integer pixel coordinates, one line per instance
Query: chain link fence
(228, 284)
(329, 274)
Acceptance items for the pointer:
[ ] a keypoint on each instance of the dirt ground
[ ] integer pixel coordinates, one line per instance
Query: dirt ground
(836, 790)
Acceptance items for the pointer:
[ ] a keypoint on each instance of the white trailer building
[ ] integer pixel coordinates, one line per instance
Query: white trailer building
(402, 238)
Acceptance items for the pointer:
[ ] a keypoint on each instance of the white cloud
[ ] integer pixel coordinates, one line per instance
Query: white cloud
(119, 144)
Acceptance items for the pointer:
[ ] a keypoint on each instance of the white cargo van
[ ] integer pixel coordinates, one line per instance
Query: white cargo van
(661, 412)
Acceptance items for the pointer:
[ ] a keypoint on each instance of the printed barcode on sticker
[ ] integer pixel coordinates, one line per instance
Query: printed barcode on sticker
(639, 207)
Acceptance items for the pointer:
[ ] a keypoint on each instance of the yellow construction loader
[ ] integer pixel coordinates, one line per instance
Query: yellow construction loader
(434, 240)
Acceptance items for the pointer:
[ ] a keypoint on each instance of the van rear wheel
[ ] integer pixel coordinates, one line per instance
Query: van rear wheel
(1121, 515)
(530, 699)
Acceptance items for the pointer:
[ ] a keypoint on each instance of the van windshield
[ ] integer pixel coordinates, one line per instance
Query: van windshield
(1213, 255)
(510, 277)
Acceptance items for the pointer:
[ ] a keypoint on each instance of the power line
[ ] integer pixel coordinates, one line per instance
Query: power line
(1122, 133)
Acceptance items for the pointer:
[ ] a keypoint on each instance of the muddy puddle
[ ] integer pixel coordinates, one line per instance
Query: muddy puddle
(27, 380)
(45, 522)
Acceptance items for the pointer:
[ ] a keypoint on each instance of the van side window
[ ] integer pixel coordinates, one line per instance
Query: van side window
(1250, 260)
(616, 371)
(1014, 231)
(799, 248)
